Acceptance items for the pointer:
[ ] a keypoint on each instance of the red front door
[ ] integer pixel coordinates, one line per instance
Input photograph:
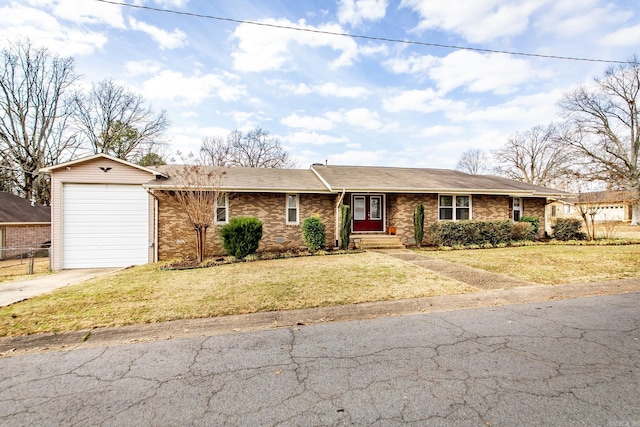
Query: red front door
(368, 213)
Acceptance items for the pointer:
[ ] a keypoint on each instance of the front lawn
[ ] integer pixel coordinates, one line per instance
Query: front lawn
(147, 294)
(552, 264)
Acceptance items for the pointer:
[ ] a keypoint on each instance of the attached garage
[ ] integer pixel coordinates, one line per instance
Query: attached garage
(101, 215)
(104, 225)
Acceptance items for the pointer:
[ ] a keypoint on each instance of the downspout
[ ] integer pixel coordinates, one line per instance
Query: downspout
(156, 210)
(338, 203)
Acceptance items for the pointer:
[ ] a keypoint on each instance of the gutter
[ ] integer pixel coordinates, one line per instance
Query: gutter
(156, 212)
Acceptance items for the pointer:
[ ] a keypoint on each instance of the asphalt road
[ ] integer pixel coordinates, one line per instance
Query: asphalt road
(568, 363)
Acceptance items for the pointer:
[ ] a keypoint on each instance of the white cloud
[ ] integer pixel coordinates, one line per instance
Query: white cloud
(494, 72)
(191, 90)
(354, 12)
(43, 29)
(313, 138)
(178, 4)
(264, 48)
(534, 109)
(165, 39)
(568, 18)
(329, 89)
(89, 12)
(414, 64)
(307, 122)
(421, 100)
(357, 117)
(477, 21)
(441, 130)
(141, 68)
(628, 36)
(188, 139)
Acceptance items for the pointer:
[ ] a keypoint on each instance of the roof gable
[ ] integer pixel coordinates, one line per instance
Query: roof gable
(70, 163)
(14, 209)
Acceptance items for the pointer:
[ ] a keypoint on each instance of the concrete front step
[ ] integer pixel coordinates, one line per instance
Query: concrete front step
(376, 241)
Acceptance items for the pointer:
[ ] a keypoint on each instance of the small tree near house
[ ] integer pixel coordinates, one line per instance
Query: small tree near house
(588, 205)
(197, 192)
(418, 225)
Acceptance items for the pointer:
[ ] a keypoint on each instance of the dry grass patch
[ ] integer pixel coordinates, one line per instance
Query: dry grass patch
(552, 264)
(11, 270)
(147, 294)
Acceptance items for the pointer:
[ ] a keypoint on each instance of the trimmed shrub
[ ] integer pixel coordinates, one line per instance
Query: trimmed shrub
(345, 226)
(466, 233)
(241, 236)
(418, 225)
(522, 231)
(568, 229)
(313, 233)
(535, 223)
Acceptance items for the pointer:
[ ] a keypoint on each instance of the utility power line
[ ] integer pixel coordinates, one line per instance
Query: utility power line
(363, 37)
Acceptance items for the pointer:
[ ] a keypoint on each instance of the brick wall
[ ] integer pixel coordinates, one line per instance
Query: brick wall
(32, 236)
(176, 239)
(535, 207)
(400, 208)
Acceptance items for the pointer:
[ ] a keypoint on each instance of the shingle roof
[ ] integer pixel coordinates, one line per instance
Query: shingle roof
(14, 209)
(325, 179)
(250, 179)
(373, 178)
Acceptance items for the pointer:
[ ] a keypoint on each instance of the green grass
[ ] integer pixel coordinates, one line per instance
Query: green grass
(552, 264)
(147, 294)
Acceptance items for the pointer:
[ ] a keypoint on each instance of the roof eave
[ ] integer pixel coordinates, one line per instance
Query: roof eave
(244, 189)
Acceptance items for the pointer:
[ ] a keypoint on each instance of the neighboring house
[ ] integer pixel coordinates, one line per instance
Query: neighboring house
(612, 205)
(22, 225)
(108, 212)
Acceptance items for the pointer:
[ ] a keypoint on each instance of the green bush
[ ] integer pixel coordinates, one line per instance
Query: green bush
(568, 229)
(241, 236)
(418, 225)
(345, 226)
(466, 233)
(313, 233)
(522, 231)
(535, 223)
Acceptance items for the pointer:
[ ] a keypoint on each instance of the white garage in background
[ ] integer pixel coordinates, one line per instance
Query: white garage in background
(101, 216)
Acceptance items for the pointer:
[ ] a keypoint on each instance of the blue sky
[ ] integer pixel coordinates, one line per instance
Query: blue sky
(345, 100)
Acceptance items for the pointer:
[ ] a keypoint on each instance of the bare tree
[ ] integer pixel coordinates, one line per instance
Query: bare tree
(535, 156)
(216, 151)
(256, 148)
(473, 161)
(197, 192)
(603, 120)
(33, 115)
(588, 204)
(116, 121)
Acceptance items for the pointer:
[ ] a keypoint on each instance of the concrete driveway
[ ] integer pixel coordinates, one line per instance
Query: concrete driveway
(20, 290)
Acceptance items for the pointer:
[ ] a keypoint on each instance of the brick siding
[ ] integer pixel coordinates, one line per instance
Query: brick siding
(177, 240)
(18, 238)
(400, 208)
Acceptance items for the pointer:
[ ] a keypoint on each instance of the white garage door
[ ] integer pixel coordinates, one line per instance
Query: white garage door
(610, 213)
(104, 225)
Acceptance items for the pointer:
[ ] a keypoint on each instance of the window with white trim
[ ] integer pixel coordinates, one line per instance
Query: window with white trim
(517, 209)
(293, 209)
(454, 208)
(222, 209)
